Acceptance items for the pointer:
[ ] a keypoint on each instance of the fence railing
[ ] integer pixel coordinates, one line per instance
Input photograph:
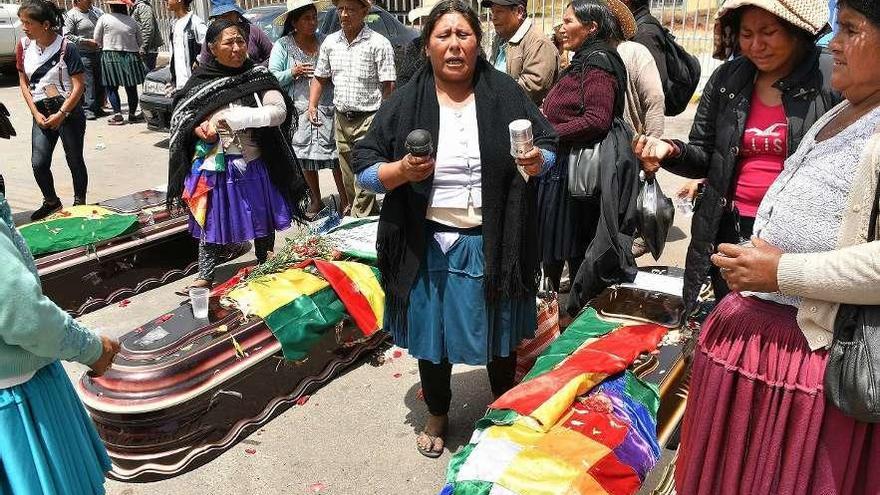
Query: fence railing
(691, 21)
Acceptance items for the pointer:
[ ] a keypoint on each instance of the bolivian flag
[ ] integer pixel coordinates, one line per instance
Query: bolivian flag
(578, 425)
(299, 306)
(76, 226)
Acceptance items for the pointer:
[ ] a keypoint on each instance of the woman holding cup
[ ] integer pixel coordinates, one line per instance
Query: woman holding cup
(292, 62)
(457, 241)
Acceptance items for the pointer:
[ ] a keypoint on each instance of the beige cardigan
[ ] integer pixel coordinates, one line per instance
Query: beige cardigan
(849, 275)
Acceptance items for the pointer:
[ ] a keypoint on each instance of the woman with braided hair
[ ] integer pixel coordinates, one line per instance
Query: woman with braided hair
(244, 182)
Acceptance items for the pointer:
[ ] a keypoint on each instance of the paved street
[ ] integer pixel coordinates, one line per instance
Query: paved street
(354, 436)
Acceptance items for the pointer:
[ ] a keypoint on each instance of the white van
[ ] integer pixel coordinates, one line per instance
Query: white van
(10, 33)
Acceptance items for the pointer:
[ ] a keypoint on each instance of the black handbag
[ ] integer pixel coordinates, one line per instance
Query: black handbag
(585, 162)
(852, 375)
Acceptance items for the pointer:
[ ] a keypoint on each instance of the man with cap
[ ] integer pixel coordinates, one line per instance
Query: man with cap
(258, 43)
(521, 50)
(359, 62)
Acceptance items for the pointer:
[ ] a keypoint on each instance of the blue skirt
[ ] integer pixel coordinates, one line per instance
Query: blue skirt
(48, 444)
(448, 316)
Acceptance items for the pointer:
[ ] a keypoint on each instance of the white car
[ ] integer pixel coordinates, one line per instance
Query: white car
(10, 33)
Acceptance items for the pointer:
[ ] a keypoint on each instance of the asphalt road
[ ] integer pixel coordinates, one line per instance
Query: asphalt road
(354, 436)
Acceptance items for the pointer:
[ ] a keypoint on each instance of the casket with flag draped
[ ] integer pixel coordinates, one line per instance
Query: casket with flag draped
(93, 255)
(183, 390)
(598, 407)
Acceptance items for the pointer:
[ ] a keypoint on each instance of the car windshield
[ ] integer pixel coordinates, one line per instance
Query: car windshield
(271, 19)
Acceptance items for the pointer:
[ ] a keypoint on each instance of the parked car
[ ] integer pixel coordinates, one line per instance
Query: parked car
(10, 33)
(270, 18)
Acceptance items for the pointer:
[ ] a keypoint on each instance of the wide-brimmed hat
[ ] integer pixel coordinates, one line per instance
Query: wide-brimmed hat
(298, 4)
(624, 17)
(809, 15)
(220, 7)
(421, 11)
(127, 3)
(367, 3)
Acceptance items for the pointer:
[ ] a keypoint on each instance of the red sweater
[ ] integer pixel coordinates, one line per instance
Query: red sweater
(562, 107)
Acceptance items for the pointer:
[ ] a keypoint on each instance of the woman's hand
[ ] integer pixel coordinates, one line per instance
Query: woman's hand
(313, 116)
(749, 269)
(532, 161)
(206, 132)
(41, 120)
(651, 151)
(689, 190)
(55, 120)
(416, 168)
(303, 70)
(111, 347)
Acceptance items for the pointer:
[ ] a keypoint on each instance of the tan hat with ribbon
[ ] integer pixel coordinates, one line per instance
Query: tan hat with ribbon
(298, 4)
(809, 15)
(624, 17)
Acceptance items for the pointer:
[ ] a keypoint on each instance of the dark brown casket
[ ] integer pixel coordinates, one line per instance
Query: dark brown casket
(182, 391)
(160, 251)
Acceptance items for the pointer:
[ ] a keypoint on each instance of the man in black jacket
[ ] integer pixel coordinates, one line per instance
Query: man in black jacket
(649, 32)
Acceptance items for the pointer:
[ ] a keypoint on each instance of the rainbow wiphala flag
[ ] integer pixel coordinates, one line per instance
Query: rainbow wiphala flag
(579, 423)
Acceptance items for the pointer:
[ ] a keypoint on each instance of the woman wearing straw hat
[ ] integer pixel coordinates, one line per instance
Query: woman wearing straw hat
(119, 37)
(754, 111)
(758, 419)
(292, 62)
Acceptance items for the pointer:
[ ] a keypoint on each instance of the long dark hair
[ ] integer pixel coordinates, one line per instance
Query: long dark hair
(451, 7)
(597, 11)
(294, 16)
(43, 11)
(868, 8)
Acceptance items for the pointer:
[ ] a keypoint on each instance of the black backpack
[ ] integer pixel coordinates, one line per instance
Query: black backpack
(682, 75)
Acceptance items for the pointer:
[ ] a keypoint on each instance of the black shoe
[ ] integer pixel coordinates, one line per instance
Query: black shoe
(47, 209)
(77, 201)
(136, 119)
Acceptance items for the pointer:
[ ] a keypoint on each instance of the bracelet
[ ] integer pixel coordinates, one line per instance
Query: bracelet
(66, 114)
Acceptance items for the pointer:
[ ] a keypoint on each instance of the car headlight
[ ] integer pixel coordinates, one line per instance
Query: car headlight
(154, 87)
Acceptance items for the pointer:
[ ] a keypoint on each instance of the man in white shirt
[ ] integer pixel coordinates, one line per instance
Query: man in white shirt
(187, 37)
(359, 62)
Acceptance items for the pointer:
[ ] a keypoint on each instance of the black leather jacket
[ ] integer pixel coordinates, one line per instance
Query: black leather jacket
(713, 148)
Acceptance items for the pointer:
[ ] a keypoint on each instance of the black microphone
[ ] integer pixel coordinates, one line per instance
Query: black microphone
(419, 143)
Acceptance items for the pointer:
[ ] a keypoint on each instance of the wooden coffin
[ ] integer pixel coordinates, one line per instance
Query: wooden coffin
(182, 391)
(160, 251)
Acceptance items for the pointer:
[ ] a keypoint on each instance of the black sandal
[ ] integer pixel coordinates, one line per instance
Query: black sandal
(430, 452)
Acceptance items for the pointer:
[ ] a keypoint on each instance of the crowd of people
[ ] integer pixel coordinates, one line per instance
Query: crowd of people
(784, 146)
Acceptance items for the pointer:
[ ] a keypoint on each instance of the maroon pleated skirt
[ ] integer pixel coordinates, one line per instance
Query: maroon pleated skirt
(757, 421)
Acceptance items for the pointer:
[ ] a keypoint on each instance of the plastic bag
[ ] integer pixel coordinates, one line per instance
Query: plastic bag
(655, 214)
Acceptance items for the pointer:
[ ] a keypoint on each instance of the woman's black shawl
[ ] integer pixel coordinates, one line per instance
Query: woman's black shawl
(510, 232)
(212, 88)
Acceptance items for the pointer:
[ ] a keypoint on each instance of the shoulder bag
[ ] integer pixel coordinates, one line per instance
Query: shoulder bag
(585, 162)
(852, 375)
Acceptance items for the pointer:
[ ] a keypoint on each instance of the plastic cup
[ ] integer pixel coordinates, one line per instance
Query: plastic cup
(198, 298)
